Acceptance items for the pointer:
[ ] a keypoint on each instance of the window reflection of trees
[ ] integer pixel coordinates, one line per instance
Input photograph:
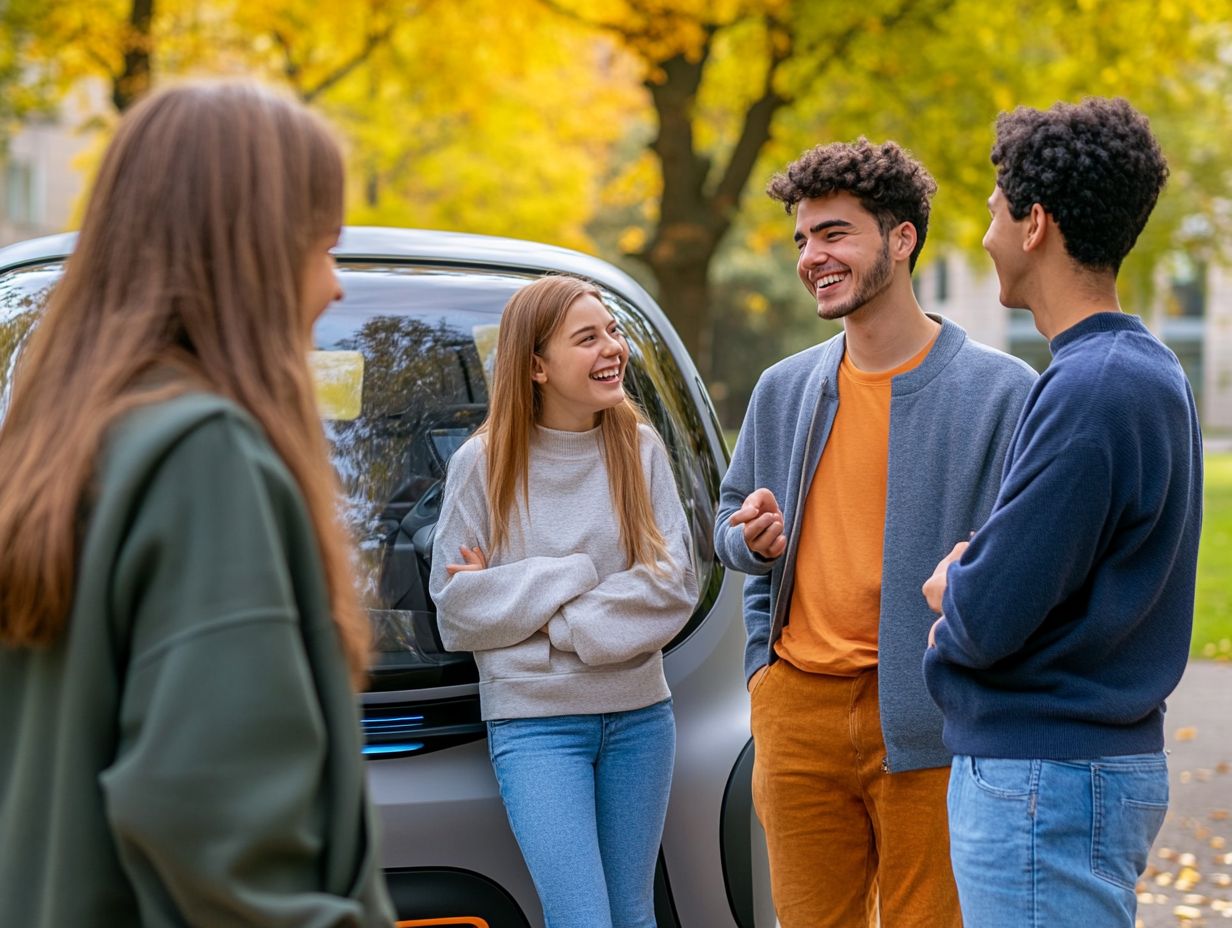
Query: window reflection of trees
(420, 375)
(655, 380)
(23, 295)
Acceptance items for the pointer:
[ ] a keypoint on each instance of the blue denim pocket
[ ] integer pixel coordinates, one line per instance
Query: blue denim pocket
(497, 735)
(1005, 778)
(1129, 799)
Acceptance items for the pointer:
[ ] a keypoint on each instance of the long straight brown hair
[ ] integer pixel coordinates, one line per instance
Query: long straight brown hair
(191, 258)
(530, 318)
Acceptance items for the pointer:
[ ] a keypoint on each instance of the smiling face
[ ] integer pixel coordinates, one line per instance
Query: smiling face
(580, 371)
(844, 257)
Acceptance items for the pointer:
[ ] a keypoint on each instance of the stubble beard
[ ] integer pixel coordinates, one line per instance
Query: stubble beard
(877, 279)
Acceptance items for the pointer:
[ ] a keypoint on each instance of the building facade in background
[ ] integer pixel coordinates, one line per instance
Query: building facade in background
(1192, 314)
(41, 174)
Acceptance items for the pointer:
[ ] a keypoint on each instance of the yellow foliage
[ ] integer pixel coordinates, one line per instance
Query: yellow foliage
(756, 304)
(531, 118)
(632, 239)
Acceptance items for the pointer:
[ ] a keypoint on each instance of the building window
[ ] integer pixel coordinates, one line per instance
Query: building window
(22, 204)
(1186, 295)
(941, 280)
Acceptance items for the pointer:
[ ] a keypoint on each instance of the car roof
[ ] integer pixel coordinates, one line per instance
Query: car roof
(418, 246)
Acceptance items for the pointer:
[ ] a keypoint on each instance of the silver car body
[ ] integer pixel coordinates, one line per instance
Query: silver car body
(445, 839)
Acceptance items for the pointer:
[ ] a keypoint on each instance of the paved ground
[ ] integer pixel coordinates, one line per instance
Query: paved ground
(1189, 880)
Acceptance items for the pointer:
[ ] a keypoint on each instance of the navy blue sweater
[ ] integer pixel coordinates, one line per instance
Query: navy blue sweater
(1068, 619)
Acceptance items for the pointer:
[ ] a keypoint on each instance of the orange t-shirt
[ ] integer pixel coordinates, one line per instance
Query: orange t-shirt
(836, 600)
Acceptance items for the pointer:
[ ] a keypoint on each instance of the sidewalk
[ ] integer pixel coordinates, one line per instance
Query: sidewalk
(1189, 879)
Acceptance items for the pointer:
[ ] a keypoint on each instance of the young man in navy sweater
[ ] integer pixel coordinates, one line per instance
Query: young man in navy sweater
(1066, 620)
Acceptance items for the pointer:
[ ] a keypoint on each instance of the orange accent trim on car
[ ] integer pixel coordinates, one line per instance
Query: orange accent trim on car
(467, 920)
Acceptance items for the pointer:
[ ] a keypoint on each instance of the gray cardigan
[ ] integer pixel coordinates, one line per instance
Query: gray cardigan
(951, 419)
(559, 622)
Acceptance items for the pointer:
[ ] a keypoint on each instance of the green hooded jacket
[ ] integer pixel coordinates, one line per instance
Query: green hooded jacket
(188, 751)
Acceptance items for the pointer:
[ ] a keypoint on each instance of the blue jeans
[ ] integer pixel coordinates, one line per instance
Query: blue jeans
(586, 797)
(1043, 843)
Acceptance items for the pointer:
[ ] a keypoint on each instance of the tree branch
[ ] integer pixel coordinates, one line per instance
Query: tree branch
(573, 15)
(133, 81)
(753, 134)
(371, 43)
(290, 69)
(632, 36)
(756, 129)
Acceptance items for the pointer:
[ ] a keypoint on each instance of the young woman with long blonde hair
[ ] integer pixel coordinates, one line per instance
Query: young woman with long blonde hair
(562, 560)
(179, 631)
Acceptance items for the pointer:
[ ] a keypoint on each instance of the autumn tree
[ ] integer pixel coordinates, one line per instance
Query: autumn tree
(127, 43)
(61, 42)
(465, 114)
(738, 88)
(648, 127)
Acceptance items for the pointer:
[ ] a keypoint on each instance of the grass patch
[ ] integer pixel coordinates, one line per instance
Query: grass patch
(1213, 609)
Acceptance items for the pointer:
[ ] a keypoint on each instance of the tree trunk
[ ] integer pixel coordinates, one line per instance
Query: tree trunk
(133, 81)
(685, 238)
(684, 294)
(695, 215)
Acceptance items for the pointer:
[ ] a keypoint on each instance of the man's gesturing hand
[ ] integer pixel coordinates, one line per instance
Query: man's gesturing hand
(763, 524)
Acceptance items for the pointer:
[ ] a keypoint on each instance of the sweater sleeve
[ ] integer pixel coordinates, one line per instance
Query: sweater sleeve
(739, 481)
(730, 547)
(756, 623)
(639, 610)
(503, 604)
(216, 794)
(1023, 562)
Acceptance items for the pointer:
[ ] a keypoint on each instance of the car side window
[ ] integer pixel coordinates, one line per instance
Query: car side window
(23, 294)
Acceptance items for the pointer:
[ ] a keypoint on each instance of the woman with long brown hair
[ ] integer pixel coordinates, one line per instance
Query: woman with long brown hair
(179, 631)
(562, 560)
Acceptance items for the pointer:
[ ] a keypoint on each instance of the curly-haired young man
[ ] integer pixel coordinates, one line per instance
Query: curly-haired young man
(1068, 615)
(858, 460)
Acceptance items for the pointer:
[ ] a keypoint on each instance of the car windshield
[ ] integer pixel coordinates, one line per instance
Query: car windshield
(402, 366)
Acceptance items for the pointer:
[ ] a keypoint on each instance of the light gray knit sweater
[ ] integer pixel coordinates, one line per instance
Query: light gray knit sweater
(559, 623)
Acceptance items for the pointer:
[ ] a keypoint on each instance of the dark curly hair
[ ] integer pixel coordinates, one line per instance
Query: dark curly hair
(1093, 166)
(887, 181)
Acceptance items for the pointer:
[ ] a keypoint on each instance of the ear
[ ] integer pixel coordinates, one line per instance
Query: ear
(1037, 222)
(902, 241)
(537, 371)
